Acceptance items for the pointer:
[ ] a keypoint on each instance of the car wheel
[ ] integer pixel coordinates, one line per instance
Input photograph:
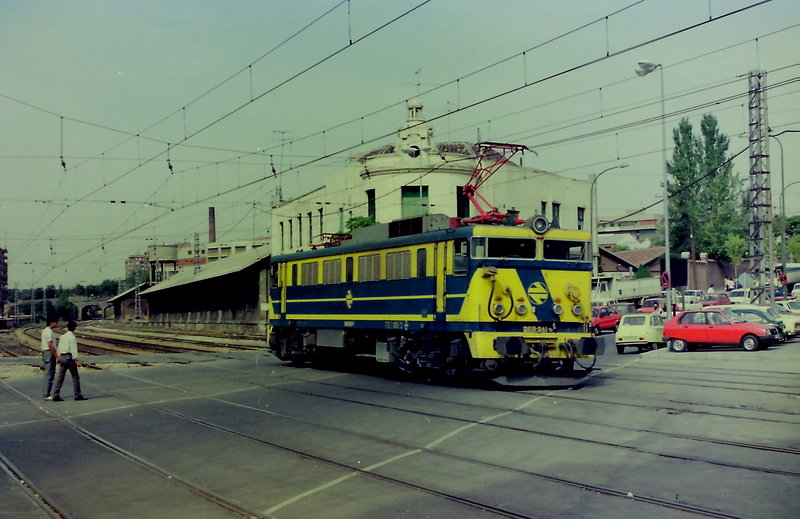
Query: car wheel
(620, 349)
(596, 330)
(750, 342)
(678, 345)
(616, 327)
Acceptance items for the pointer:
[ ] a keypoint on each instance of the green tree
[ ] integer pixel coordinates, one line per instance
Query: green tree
(705, 199)
(793, 248)
(359, 221)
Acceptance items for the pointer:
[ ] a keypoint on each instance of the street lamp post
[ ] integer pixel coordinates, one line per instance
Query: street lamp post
(644, 68)
(783, 236)
(783, 210)
(593, 216)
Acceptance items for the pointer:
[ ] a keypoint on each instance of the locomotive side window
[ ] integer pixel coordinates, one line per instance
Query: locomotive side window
(398, 265)
(294, 275)
(369, 267)
(332, 271)
(308, 274)
(566, 250)
(348, 270)
(422, 264)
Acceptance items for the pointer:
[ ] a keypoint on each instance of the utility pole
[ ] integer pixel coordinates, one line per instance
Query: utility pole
(760, 196)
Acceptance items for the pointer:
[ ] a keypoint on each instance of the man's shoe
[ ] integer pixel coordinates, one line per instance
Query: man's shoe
(80, 397)
(57, 399)
(48, 397)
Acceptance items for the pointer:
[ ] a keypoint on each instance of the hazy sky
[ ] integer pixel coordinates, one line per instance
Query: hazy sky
(239, 87)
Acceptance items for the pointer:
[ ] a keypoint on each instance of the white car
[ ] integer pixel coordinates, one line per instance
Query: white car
(741, 296)
(790, 319)
(640, 331)
(792, 305)
(692, 299)
(796, 290)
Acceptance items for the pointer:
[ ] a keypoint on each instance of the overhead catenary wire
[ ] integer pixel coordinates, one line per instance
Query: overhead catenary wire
(382, 136)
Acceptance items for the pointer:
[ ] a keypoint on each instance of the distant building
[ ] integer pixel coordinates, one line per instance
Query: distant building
(134, 263)
(219, 250)
(642, 227)
(417, 175)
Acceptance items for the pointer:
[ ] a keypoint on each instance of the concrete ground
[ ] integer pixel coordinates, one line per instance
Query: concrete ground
(709, 433)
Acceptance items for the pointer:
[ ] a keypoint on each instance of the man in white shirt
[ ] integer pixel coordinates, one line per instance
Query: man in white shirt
(68, 352)
(49, 356)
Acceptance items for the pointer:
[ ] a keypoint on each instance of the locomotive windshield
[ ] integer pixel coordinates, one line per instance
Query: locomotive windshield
(524, 248)
(567, 250)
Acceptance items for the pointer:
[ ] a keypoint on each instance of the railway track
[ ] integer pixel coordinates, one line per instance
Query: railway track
(102, 341)
(412, 449)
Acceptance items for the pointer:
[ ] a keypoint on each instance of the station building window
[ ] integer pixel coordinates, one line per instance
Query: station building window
(414, 200)
(581, 218)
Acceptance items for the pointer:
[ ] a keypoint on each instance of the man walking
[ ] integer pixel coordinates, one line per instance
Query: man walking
(49, 356)
(68, 352)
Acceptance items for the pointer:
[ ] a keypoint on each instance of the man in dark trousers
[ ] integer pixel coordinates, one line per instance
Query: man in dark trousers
(67, 354)
(49, 356)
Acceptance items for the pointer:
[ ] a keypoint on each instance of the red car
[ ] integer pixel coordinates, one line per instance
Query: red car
(604, 318)
(710, 327)
(715, 298)
(649, 305)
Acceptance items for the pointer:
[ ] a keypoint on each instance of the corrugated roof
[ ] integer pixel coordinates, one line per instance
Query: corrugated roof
(640, 257)
(123, 294)
(230, 265)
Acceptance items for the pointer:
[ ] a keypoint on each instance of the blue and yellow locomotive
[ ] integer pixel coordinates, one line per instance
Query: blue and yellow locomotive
(510, 302)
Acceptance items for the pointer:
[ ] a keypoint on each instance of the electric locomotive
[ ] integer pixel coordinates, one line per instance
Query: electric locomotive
(428, 294)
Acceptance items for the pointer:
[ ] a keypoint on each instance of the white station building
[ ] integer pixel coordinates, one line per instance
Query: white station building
(417, 175)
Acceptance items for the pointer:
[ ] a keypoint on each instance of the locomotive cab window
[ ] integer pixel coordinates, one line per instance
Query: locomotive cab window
(274, 278)
(565, 250)
(460, 258)
(523, 248)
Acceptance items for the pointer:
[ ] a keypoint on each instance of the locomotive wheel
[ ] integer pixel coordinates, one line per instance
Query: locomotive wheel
(678, 345)
(750, 342)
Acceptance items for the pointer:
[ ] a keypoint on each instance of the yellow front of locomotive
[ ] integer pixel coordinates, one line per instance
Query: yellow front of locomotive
(526, 306)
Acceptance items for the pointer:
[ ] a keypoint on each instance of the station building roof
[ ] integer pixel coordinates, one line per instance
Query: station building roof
(223, 267)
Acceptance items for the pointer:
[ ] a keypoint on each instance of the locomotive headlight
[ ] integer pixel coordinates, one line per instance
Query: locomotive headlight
(522, 309)
(558, 309)
(499, 309)
(577, 310)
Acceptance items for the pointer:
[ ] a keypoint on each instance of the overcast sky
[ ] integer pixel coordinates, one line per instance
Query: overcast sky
(239, 87)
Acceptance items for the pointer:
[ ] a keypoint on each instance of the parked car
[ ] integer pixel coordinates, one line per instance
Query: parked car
(649, 305)
(715, 298)
(756, 314)
(623, 308)
(713, 326)
(604, 318)
(796, 290)
(790, 319)
(792, 305)
(691, 299)
(740, 296)
(640, 331)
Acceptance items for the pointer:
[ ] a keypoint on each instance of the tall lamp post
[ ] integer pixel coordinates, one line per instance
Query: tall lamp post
(783, 236)
(783, 209)
(643, 68)
(593, 216)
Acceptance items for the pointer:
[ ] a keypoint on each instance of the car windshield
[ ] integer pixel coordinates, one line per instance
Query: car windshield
(735, 316)
(794, 305)
(753, 316)
(772, 313)
(633, 320)
(651, 302)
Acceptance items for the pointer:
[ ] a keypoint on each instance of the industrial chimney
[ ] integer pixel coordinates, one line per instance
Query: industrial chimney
(212, 226)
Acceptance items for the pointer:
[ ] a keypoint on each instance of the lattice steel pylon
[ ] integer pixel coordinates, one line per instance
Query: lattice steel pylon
(760, 196)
